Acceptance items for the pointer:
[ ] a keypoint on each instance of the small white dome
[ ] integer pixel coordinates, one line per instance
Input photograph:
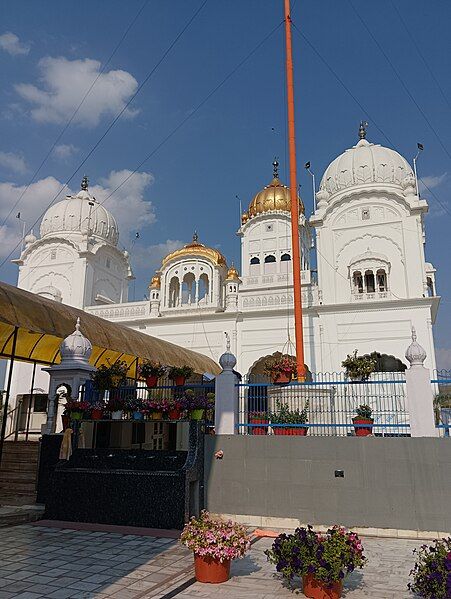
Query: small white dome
(415, 353)
(227, 361)
(29, 239)
(364, 163)
(78, 214)
(76, 348)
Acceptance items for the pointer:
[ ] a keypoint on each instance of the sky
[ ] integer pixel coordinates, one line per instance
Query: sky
(210, 115)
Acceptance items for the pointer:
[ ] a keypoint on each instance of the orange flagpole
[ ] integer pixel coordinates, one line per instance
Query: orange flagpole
(294, 202)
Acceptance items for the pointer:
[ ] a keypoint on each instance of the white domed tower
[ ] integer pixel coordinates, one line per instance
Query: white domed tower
(373, 279)
(76, 260)
(266, 247)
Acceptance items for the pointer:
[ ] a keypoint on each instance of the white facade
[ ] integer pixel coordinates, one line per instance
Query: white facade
(372, 284)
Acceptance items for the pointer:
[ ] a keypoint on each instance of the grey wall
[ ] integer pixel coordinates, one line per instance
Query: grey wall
(402, 483)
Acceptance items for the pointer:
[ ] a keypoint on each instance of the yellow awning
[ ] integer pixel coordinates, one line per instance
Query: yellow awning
(42, 324)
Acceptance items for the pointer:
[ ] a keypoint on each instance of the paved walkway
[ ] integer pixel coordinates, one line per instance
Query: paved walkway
(36, 561)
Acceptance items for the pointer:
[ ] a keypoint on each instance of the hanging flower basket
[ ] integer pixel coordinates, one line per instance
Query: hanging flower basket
(281, 370)
(208, 569)
(281, 378)
(316, 589)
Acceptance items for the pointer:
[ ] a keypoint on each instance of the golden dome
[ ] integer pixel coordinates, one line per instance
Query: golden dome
(196, 249)
(244, 218)
(275, 196)
(232, 274)
(155, 283)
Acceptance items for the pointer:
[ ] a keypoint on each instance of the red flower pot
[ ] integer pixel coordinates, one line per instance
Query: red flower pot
(96, 414)
(179, 381)
(208, 569)
(174, 414)
(281, 378)
(258, 430)
(361, 431)
(317, 589)
(287, 430)
(151, 381)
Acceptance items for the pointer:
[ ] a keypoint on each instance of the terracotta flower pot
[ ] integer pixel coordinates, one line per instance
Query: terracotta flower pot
(179, 381)
(258, 430)
(316, 589)
(151, 381)
(197, 414)
(361, 431)
(282, 378)
(96, 414)
(174, 414)
(211, 570)
(76, 415)
(299, 431)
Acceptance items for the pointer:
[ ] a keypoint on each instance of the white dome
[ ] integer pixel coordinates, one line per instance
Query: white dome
(365, 163)
(76, 347)
(77, 213)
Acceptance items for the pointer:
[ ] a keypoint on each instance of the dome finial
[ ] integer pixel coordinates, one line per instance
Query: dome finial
(77, 326)
(195, 237)
(275, 168)
(362, 129)
(84, 183)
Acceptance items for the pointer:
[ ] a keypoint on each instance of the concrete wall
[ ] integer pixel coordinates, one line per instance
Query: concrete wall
(399, 483)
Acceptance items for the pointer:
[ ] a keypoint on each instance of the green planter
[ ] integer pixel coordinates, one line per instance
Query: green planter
(76, 415)
(197, 414)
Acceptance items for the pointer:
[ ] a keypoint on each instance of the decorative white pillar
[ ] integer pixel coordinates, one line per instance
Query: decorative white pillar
(419, 394)
(73, 370)
(154, 294)
(227, 395)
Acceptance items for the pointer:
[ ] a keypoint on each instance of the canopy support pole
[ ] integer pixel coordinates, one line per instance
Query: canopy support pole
(30, 402)
(8, 391)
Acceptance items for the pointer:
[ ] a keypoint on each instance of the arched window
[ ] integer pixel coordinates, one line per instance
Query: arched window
(369, 281)
(255, 260)
(174, 293)
(203, 288)
(269, 259)
(357, 280)
(381, 280)
(188, 289)
(285, 257)
(430, 285)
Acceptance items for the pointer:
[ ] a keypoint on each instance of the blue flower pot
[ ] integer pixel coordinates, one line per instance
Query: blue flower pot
(138, 416)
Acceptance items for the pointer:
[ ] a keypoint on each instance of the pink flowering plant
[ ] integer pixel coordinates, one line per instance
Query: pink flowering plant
(77, 406)
(432, 571)
(209, 536)
(285, 364)
(328, 557)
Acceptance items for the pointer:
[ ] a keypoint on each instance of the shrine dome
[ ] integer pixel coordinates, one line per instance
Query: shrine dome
(274, 196)
(80, 213)
(195, 249)
(365, 163)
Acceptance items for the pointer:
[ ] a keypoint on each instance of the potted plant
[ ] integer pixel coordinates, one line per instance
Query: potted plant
(322, 560)
(118, 372)
(108, 377)
(151, 372)
(363, 416)
(77, 408)
(283, 415)
(359, 368)
(432, 570)
(257, 417)
(179, 374)
(156, 406)
(136, 407)
(210, 405)
(115, 406)
(195, 405)
(97, 409)
(214, 542)
(175, 406)
(282, 369)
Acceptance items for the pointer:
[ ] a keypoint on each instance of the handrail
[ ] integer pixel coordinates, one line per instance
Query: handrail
(13, 420)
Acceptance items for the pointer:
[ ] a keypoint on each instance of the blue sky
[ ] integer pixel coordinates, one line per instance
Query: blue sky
(50, 52)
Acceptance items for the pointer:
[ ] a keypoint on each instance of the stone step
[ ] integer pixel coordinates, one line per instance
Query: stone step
(7, 474)
(19, 486)
(13, 515)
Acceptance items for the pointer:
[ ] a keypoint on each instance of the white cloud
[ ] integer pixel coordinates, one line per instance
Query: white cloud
(64, 151)
(13, 162)
(150, 256)
(430, 182)
(9, 42)
(64, 84)
(443, 357)
(128, 205)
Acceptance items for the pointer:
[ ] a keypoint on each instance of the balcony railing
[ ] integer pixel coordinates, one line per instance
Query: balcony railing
(374, 295)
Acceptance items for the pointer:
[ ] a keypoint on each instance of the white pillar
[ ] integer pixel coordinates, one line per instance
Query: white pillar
(227, 394)
(419, 395)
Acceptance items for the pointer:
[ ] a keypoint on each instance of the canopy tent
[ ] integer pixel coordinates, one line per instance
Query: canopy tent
(42, 324)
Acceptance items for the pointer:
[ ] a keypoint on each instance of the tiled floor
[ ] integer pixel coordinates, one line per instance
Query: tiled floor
(36, 561)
